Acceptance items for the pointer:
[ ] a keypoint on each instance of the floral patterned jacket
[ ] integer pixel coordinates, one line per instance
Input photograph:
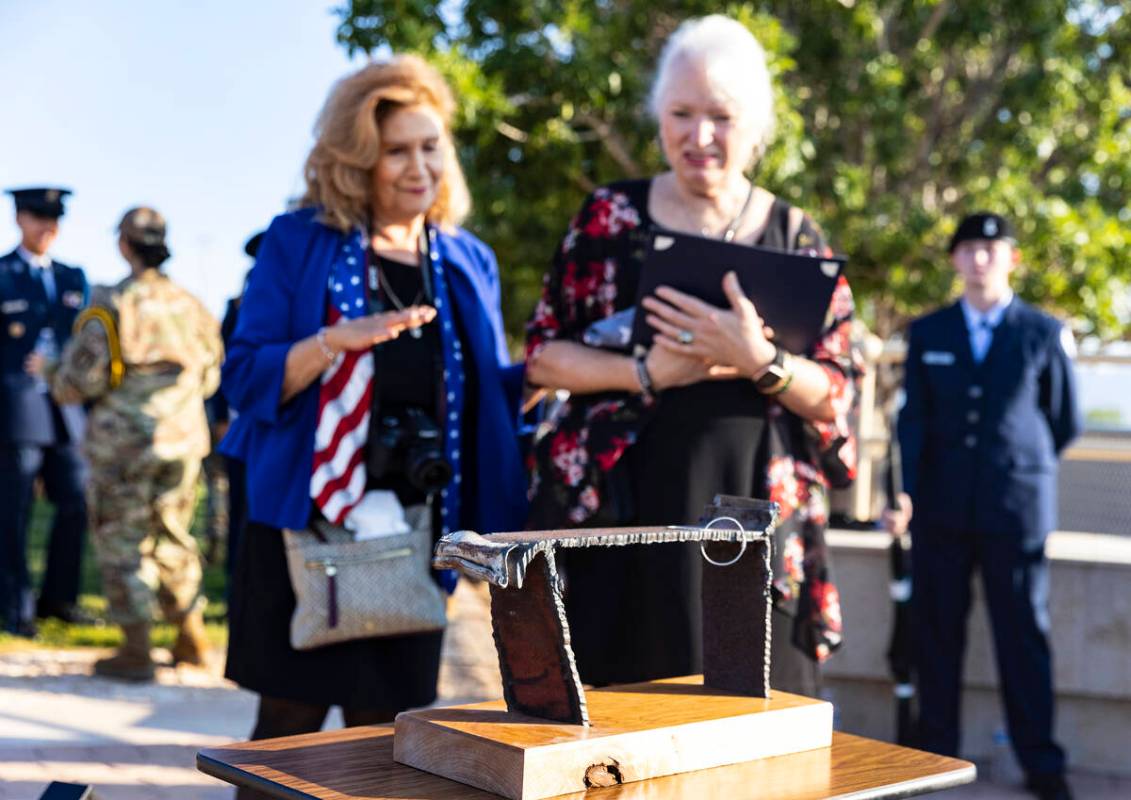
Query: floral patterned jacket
(593, 275)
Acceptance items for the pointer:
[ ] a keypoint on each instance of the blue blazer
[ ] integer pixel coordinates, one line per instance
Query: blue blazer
(28, 415)
(285, 302)
(980, 442)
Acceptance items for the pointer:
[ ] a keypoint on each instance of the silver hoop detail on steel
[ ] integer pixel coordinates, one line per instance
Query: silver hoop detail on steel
(703, 545)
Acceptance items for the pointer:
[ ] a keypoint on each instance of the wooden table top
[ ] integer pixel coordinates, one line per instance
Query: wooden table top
(357, 764)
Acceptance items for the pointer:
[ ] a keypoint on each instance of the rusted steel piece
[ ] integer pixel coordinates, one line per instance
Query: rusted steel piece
(737, 605)
(532, 638)
(540, 677)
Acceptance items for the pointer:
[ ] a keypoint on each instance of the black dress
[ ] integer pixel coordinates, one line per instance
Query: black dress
(635, 612)
(388, 674)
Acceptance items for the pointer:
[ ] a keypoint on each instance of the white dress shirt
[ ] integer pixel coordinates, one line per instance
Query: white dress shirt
(981, 324)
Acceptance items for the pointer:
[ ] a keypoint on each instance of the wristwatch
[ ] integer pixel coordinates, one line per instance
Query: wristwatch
(776, 378)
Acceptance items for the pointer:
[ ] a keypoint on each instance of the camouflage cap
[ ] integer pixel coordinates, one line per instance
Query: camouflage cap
(143, 226)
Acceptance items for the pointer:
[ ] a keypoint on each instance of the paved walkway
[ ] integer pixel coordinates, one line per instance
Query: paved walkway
(57, 722)
(131, 742)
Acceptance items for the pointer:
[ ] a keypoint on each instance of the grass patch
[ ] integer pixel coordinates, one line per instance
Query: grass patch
(57, 634)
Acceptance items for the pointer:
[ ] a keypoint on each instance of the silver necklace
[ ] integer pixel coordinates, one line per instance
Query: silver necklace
(387, 287)
(732, 228)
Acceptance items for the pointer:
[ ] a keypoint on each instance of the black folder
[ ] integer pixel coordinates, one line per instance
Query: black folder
(790, 291)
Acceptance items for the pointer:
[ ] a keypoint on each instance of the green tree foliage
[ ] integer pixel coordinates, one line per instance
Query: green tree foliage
(895, 119)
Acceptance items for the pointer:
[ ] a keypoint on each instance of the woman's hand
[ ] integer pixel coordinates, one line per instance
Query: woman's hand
(310, 357)
(364, 332)
(669, 369)
(735, 337)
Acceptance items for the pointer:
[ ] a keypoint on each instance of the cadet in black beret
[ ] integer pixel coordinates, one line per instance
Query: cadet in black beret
(990, 404)
(39, 300)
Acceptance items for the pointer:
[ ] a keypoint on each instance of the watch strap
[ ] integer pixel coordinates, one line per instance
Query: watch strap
(777, 375)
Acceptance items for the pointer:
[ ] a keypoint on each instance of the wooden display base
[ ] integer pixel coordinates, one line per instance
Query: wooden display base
(637, 731)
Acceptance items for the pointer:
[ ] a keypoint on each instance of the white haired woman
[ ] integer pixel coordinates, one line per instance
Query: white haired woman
(650, 440)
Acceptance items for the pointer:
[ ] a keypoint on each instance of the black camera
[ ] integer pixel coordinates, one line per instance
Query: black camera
(412, 443)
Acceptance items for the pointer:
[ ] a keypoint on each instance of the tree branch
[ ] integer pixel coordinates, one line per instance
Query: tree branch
(612, 141)
(983, 96)
(978, 99)
(934, 21)
(511, 132)
(883, 39)
(920, 162)
(583, 182)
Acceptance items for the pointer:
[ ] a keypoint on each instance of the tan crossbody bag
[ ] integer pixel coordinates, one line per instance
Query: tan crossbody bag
(347, 589)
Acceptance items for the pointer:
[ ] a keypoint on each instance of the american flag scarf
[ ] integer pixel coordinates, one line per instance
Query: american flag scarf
(338, 479)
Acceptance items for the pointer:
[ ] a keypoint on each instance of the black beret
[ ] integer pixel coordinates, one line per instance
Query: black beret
(982, 225)
(43, 201)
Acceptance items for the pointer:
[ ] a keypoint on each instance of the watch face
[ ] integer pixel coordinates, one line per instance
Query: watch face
(773, 376)
(776, 373)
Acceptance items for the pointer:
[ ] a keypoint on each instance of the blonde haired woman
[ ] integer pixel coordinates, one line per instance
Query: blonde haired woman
(368, 298)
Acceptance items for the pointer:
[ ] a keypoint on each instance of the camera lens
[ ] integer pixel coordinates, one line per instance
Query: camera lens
(428, 470)
(410, 443)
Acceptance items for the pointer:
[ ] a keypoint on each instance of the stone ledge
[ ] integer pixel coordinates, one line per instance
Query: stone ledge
(1090, 629)
(1101, 548)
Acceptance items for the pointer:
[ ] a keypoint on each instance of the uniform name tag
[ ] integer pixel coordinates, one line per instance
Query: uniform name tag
(13, 306)
(938, 358)
(72, 299)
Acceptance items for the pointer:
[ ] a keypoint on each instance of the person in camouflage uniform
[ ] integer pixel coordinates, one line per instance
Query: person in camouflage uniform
(144, 356)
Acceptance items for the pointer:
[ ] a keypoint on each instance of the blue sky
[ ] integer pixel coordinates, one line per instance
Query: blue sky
(201, 109)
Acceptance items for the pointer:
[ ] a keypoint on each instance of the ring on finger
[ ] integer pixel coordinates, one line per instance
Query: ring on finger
(686, 337)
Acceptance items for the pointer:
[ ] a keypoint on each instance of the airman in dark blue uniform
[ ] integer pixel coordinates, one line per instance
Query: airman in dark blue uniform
(39, 300)
(990, 404)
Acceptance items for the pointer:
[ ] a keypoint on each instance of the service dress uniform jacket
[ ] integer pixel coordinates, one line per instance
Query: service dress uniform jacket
(980, 443)
(37, 436)
(27, 413)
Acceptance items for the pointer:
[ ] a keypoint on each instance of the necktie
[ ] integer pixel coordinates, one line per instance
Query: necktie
(47, 280)
(983, 336)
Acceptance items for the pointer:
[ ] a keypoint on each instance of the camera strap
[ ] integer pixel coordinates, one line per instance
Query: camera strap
(376, 305)
(374, 295)
(427, 237)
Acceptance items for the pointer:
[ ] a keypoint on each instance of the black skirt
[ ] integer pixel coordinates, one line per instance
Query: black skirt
(635, 612)
(387, 674)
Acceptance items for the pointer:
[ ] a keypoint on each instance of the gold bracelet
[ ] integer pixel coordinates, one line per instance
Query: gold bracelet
(320, 337)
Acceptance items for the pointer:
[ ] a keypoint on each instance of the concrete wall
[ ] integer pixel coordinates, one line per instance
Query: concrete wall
(1091, 639)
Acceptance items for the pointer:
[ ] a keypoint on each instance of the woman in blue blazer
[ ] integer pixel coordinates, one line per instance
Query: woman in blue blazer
(367, 297)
